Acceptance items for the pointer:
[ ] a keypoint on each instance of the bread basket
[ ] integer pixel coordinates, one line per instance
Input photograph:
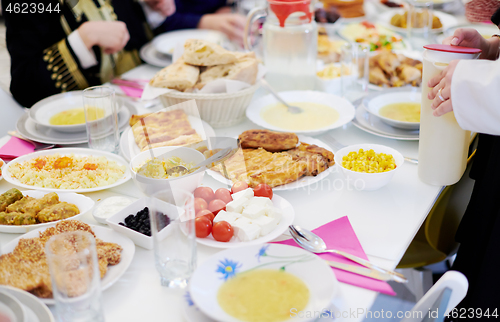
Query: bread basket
(217, 109)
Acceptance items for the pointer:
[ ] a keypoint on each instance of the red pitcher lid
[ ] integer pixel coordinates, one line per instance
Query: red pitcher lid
(283, 8)
(453, 49)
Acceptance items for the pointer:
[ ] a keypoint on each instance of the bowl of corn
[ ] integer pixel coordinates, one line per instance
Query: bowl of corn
(368, 166)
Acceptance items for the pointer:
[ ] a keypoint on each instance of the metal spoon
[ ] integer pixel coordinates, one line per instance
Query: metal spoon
(214, 158)
(313, 243)
(291, 109)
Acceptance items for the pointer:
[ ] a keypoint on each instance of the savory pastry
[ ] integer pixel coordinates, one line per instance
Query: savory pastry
(269, 140)
(179, 76)
(244, 70)
(200, 52)
(9, 197)
(256, 166)
(26, 266)
(164, 128)
(58, 211)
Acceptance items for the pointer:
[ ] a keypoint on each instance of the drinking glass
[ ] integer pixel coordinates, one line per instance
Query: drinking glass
(354, 60)
(172, 225)
(419, 23)
(101, 118)
(75, 276)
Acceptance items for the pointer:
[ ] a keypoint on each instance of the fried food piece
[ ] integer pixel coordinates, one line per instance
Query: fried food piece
(315, 163)
(111, 251)
(9, 197)
(388, 62)
(269, 140)
(312, 148)
(256, 166)
(16, 218)
(58, 211)
(377, 77)
(62, 227)
(409, 74)
(25, 205)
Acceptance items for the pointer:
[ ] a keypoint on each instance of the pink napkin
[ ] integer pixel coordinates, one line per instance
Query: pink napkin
(339, 234)
(15, 148)
(132, 92)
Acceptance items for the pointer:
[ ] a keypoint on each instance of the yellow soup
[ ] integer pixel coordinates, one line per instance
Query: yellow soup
(403, 111)
(263, 295)
(315, 116)
(76, 116)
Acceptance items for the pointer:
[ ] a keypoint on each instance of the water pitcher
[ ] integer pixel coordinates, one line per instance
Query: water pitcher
(290, 40)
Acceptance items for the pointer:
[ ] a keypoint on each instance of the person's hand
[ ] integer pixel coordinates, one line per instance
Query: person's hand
(112, 36)
(441, 90)
(468, 37)
(165, 7)
(231, 24)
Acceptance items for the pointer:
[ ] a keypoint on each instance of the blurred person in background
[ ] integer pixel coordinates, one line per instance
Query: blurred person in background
(206, 14)
(60, 46)
(470, 89)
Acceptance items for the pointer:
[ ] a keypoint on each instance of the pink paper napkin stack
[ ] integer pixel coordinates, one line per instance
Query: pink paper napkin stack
(339, 235)
(15, 148)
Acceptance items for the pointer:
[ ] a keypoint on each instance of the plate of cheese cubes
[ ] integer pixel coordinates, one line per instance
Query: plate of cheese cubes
(254, 219)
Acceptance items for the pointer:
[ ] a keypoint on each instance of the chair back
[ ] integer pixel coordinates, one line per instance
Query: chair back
(441, 298)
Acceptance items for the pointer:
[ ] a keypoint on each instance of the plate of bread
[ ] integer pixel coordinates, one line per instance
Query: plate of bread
(163, 128)
(221, 81)
(282, 160)
(166, 42)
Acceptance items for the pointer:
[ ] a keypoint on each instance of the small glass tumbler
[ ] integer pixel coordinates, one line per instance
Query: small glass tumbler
(101, 118)
(75, 276)
(419, 23)
(354, 62)
(173, 229)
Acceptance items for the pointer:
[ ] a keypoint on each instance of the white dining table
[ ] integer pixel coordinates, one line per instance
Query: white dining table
(385, 222)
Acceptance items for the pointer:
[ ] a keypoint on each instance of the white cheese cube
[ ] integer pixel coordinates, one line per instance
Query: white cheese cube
(230, 217)
(238, 223)
(248, 232)
(260, 201)
(274, 213)
(236, 205)
(267, 224)
(247, 193)
(253, 211)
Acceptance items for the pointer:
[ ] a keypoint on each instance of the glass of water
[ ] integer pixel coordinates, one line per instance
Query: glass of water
(101, 118)
(354, 63)
(75, 276)
(173, 229)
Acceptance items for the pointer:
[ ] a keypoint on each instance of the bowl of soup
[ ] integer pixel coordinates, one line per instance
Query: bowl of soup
(64, 112)
(397, 109)
(263, 283)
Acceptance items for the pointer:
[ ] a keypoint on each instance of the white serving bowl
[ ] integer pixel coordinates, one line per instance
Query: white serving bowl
(187, 182)
(368, 181)
(375, 104)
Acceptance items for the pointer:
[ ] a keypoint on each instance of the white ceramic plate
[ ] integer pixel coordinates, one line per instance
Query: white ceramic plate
(373, 105)
(1, 168)
(67, 151)
(447, 21)
(166, 42)
(287, 220)
(312, 270)
(35, 310)
(400, 45)
(302, 182)
(11, 309)
(130, 149)
(43, 110)
(83, 203)
(108, 235)
(341, 105)
(36, 132)
(150, 55)
(374, 125)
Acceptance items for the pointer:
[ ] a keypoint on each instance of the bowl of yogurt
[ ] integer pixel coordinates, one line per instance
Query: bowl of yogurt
(110, 206)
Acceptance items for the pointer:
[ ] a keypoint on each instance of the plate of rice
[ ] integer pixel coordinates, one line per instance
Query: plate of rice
(67, 169)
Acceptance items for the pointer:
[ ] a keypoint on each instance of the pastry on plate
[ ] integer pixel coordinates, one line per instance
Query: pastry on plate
(269, 140)
(179, 76)
(200, 52)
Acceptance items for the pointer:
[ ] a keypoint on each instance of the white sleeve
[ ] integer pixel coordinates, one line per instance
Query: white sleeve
(85, 56)
(154, 18)
(474, 94)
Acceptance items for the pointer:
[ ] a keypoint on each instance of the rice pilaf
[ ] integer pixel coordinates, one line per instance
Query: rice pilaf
(67, 171)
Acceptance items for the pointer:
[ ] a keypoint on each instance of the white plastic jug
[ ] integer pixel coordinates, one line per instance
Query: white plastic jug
(443, 146)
